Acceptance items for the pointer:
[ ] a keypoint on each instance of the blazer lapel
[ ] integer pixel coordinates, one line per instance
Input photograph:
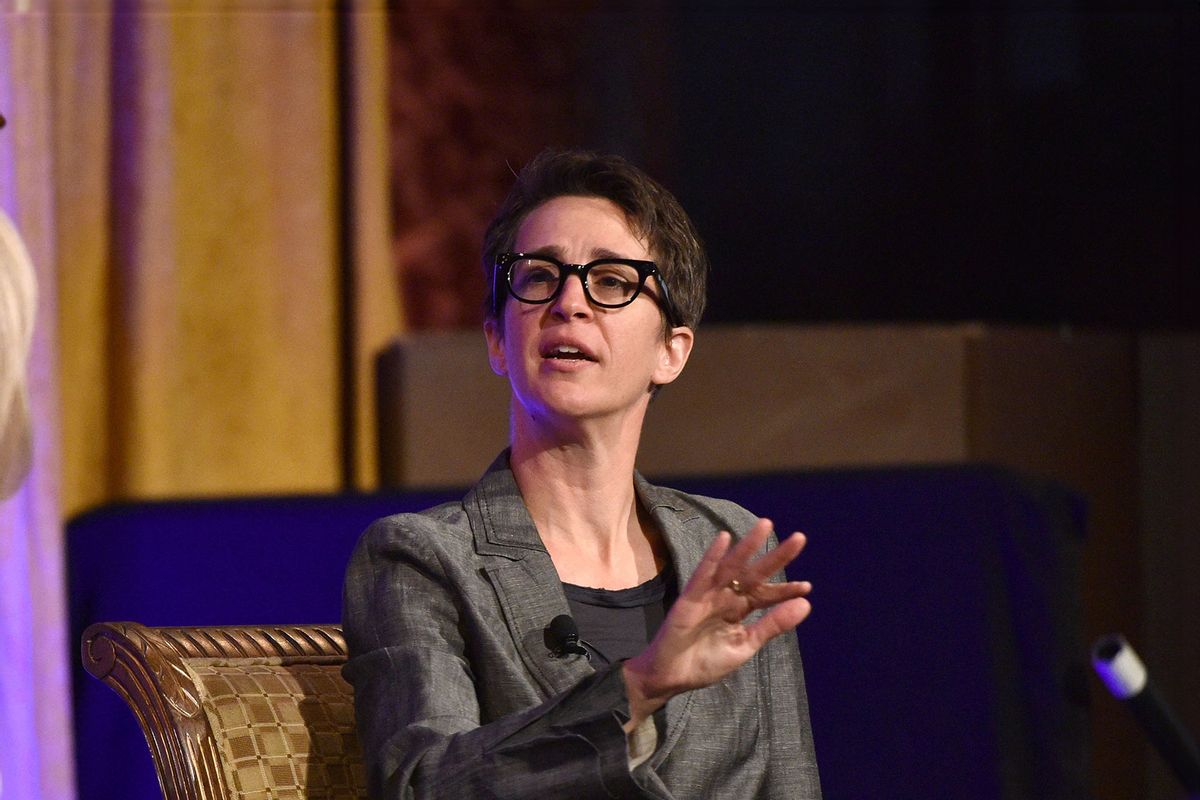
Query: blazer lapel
(530, 596)
(687, 548)
(520, 569)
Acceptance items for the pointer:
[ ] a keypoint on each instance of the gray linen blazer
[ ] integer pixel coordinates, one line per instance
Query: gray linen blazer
(459, 695)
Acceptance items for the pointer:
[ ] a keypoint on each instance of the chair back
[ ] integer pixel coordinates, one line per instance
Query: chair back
(239, 712)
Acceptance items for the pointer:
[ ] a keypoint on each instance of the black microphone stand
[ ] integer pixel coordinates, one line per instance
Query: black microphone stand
(1125, 676)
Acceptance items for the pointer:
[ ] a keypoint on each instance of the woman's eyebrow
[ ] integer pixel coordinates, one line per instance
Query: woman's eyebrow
(557, 252)
(552, 250)
(604, 252)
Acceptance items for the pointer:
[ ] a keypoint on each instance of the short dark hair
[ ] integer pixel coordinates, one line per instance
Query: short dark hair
(651, 211)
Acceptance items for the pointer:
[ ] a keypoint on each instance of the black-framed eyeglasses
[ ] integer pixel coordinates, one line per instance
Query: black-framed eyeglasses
(607, 282)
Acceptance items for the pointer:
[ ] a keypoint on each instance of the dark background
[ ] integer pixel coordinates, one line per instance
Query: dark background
(1035, 164)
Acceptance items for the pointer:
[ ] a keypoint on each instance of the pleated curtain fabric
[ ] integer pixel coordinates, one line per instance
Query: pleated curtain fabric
(177, 171)
(202, 261)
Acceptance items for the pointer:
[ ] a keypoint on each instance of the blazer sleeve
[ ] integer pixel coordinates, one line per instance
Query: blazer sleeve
(416, 703)
(792, 773)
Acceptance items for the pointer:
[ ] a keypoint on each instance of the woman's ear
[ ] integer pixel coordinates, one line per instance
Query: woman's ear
(674, 355)
(495, 343)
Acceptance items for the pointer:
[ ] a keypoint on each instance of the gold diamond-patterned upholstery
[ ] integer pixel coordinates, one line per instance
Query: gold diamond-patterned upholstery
(237, 713)
(288, 731)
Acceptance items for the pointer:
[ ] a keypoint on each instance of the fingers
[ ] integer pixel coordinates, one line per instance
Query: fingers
(754, 540)
(707, 568)
(768, 594)
(734, 567)
(737, 564)
(776, 559)
(781, 618)
(708, 632)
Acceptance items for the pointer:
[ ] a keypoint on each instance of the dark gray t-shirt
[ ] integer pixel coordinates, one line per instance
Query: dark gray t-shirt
(616, 624)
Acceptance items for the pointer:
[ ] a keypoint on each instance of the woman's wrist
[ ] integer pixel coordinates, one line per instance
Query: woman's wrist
(644, 696)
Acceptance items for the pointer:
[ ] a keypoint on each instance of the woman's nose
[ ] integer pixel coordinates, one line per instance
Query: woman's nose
(572, 300)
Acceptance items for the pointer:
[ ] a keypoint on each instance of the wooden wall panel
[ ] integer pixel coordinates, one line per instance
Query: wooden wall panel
(477, 89)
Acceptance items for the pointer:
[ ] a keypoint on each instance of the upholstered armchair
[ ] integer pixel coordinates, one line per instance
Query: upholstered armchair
(236, 713)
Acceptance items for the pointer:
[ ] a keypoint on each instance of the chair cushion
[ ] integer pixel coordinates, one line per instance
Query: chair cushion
(283, 730)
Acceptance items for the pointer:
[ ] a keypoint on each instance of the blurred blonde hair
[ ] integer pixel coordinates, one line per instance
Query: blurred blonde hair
(18, 297)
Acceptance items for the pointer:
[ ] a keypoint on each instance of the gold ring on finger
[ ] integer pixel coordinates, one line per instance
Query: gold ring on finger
(737, 587)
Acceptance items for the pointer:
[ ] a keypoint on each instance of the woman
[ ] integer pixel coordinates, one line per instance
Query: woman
(468, 680)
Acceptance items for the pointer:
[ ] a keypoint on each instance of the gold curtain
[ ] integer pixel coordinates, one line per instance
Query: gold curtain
(207, 317)
(201, 164)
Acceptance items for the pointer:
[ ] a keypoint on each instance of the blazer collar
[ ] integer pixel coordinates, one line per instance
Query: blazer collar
(674, 519)
(527, 585)
(499, 518)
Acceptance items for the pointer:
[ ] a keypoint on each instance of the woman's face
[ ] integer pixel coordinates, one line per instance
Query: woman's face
(568, 357)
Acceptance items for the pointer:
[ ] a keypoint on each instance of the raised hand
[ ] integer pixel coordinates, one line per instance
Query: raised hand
(705, 636)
